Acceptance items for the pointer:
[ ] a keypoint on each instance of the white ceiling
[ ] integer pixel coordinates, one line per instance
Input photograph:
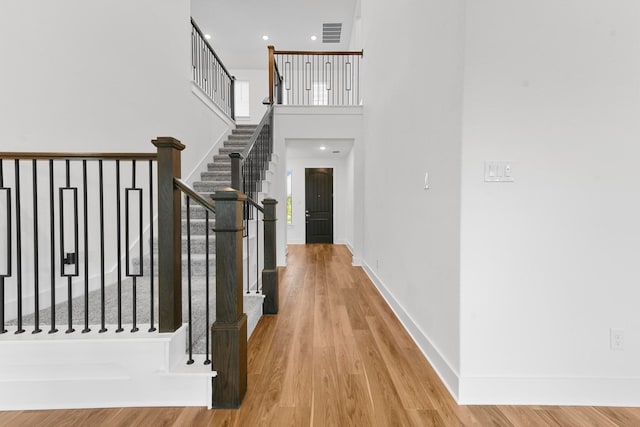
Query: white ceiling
(302, 148)
(237, 26)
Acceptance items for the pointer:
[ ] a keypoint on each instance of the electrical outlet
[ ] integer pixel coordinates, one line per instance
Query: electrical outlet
(616, 338)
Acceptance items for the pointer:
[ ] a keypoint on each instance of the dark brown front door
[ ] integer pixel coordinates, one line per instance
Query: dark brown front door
(319, 205)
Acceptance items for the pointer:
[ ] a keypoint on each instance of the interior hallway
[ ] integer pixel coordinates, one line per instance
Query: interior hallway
(334, 356)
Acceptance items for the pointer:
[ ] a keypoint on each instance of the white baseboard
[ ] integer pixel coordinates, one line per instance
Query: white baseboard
(447, 374)
(624, 392)
(550, 391)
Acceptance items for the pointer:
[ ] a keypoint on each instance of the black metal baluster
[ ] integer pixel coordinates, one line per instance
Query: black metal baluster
(73, 259)
(53, 329)
(18, 247)
(333, 78)
(103, 327)
(190, 361)
(8, 234)
(134, 327)
(119, 247)
(257, 254)
(358, 81)
(207, 360)
(36, 267)
(2, 329)
(247, 216)
(86, 247)
(151, 243)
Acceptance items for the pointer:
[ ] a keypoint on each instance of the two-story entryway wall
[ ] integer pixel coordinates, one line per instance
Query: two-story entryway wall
(299, 132)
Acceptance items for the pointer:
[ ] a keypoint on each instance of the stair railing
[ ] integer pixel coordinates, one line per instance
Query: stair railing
(314, 78)
(56, 211)
(65, 217)
(210, 74)
(248, 170)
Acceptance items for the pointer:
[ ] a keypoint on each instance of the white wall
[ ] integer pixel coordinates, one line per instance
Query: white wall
(350, 190)
(100, 76)
(303, 122)
(412, 125)
(105, 76)
(342, 195)
(258, 91)
(550, 262)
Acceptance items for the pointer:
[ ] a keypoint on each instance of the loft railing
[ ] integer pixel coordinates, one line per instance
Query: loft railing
(62, 223)
(210, 74)
(314, 78)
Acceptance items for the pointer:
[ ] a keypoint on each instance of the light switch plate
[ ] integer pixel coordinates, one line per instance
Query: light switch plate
(495, 171)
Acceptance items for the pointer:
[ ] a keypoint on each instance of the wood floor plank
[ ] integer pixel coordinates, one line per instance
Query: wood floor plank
(297, 384)
(335, 355)
(327, 403)
(387, 405)
(425, 418)
(626, 417)
(410, 391)
(259, 343)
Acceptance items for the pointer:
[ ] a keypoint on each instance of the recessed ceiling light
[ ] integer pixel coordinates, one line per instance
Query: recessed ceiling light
(207, 36)
(265, 38)
(314, 38)
(323, 148)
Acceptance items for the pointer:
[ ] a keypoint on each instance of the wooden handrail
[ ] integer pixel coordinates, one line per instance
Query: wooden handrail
(201, 34)
(255, 204)
(187, 190)
(256, 133)
(77, 156)
(309, 52)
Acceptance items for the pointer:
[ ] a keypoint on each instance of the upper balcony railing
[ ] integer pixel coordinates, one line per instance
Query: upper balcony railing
(210, 74)
(314, 78)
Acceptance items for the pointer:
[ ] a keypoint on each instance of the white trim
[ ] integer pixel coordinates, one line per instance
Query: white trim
(443, 368)
(202, 96)
(96, 370)
(550, 391)
(201, 166)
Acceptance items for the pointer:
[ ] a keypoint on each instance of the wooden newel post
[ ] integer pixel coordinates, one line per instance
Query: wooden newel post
(229, 332)
(236, 171)
(271, 72)
(170, 239)
(270, 271)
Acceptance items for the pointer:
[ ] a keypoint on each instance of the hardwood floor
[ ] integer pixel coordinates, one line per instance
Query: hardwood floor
(335, 356)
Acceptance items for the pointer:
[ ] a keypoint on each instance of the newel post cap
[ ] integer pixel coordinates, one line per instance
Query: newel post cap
(168, 142)
(228, 193)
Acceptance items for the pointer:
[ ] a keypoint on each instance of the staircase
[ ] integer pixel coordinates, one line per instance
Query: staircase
(218, 176)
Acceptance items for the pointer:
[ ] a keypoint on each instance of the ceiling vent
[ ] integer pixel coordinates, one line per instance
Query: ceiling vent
(331, 33)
